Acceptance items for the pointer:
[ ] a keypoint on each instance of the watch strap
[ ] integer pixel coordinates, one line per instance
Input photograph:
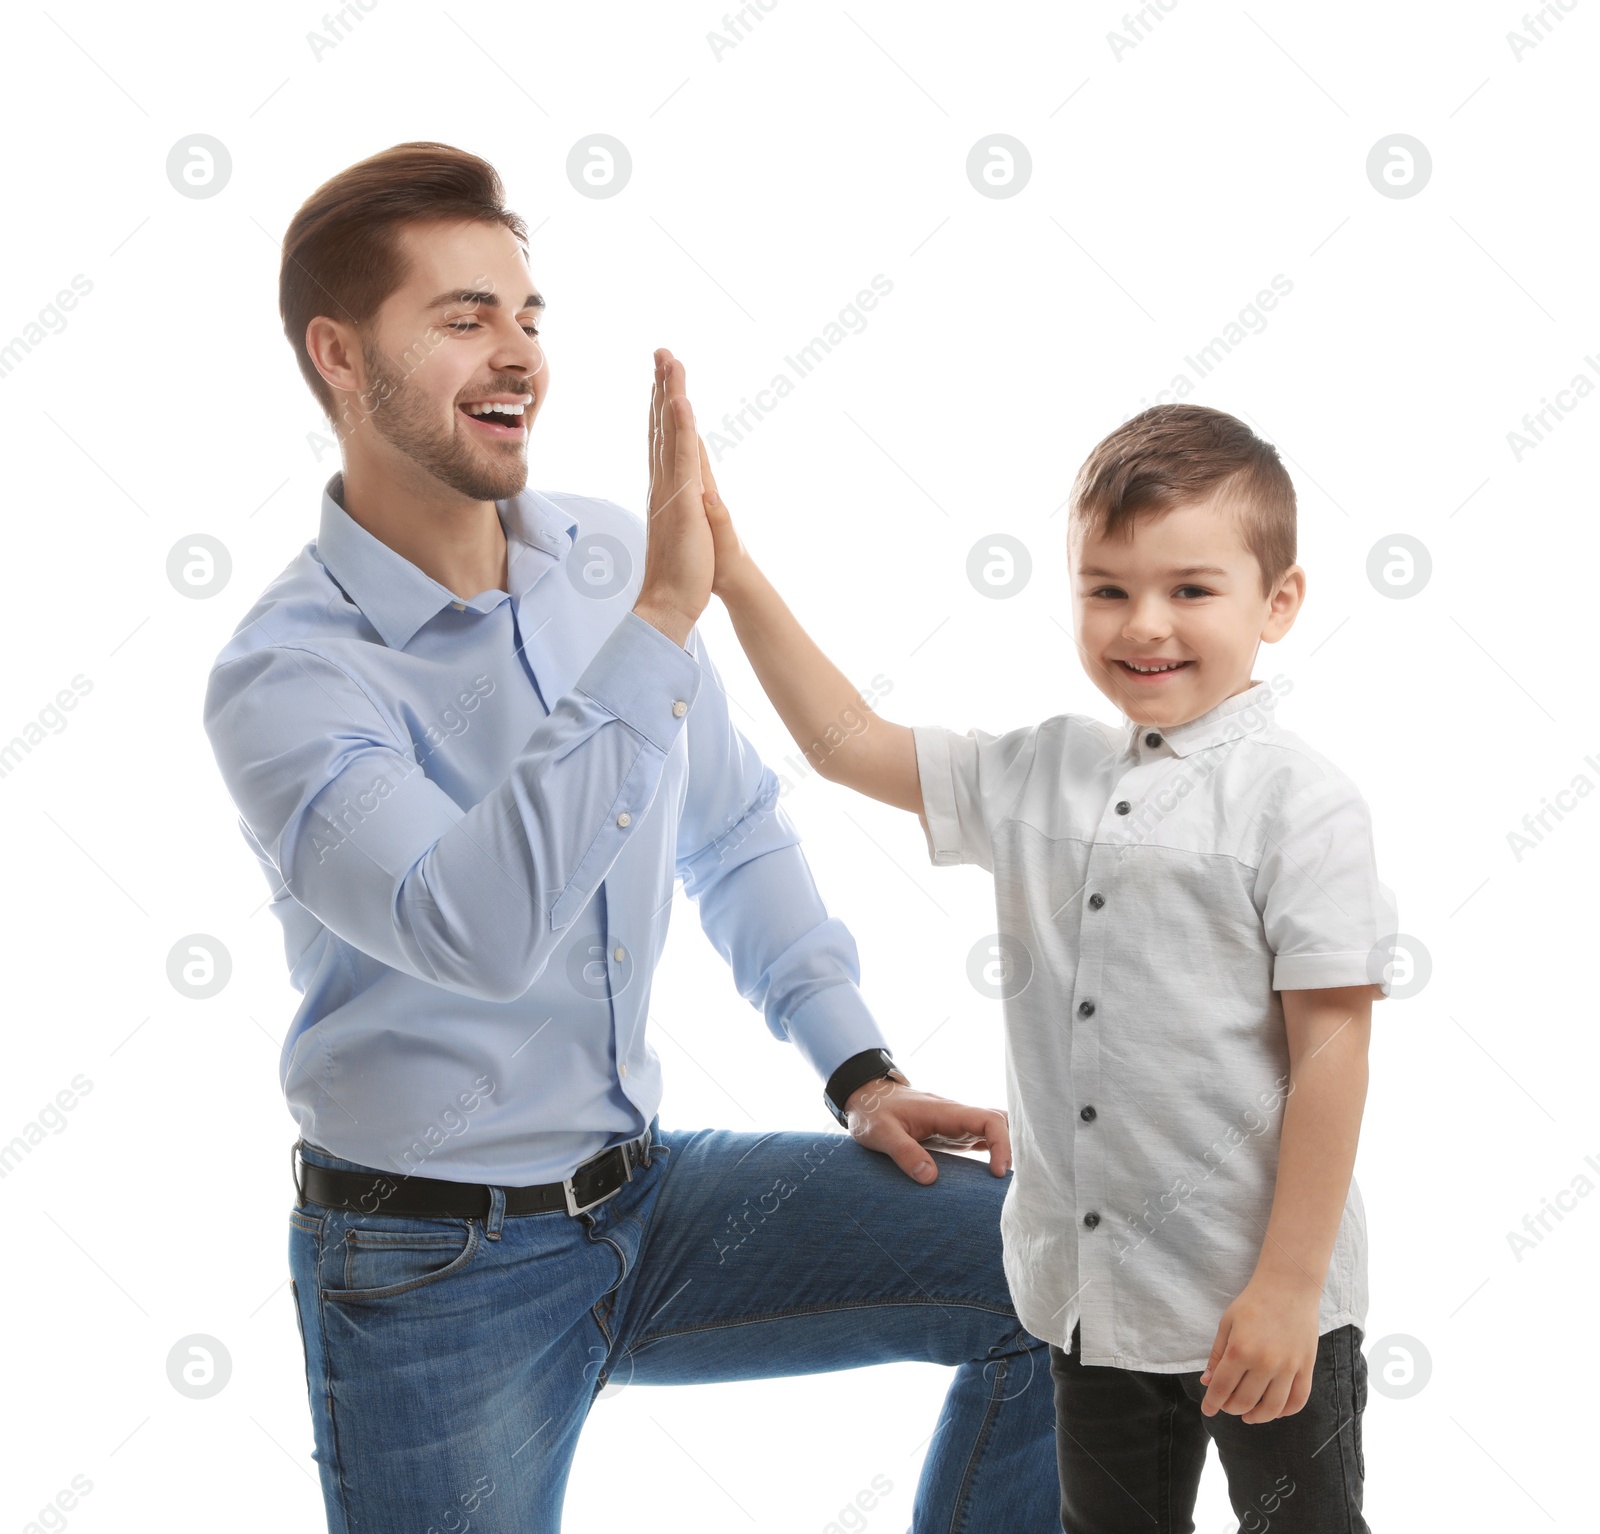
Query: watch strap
(857, 1071)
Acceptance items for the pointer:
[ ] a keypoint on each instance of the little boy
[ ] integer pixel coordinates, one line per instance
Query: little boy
(1192, 933)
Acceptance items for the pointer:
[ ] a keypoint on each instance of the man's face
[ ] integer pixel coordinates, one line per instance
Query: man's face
(462, 329)
(1167, 622)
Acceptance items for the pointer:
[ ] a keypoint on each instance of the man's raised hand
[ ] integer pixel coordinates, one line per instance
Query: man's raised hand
(679, 559)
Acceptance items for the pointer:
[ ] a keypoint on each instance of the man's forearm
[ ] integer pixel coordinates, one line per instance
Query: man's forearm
(668, 620)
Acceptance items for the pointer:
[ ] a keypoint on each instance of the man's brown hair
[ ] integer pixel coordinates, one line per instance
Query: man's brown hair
(341, 255)
(1173, 455)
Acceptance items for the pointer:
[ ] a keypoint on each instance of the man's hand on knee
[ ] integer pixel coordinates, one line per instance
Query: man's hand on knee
(902, 1121)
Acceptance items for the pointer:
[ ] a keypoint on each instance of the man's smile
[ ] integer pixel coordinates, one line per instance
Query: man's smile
(498, 415)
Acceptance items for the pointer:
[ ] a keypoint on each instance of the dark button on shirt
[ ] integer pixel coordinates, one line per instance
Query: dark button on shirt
(1123, 806)
(1086, 1113)
(1266, 868)
(1152, 739)
(1085, 1009)
(1091, 1219)
(1096, 901)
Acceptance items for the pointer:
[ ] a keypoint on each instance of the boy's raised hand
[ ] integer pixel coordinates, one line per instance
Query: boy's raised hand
(679, 558)
(829, 719)
(894, 1118)
(733, 563)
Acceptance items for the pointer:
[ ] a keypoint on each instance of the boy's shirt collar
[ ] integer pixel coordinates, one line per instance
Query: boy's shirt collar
(1231, 719)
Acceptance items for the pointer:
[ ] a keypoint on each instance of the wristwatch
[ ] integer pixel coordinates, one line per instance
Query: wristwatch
(857, 1071)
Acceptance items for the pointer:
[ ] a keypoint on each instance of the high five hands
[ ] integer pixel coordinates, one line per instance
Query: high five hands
(691, 552)
(680, 557)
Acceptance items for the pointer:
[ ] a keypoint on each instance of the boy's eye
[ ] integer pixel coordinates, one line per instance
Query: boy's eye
(1114, 592)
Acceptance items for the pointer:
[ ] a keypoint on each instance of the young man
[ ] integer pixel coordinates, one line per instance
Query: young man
(474, 738)
(1195, 927)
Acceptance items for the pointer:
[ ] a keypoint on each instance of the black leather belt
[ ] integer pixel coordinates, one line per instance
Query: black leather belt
(593, 1182)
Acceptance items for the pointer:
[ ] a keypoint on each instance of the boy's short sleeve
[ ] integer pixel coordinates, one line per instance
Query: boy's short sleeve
(1324, 909)
(969, 782)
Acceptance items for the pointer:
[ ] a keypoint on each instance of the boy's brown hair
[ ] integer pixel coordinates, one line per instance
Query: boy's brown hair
(1173, 455)
(341, 254)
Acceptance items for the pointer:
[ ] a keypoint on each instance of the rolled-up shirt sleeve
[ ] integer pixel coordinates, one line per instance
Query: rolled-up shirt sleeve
(473, 900)
(1327, 916)
(740, 860)
(968, 782)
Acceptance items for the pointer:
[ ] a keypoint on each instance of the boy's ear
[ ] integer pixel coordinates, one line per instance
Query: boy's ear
(1284, 604)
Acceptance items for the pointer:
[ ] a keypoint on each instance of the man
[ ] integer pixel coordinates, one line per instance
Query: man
(474, 738)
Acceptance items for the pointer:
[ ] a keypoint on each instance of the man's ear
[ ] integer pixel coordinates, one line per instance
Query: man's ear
(335, 352)
(1284, 604)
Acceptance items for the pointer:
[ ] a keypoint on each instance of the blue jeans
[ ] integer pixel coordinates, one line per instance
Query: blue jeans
(451, 1363)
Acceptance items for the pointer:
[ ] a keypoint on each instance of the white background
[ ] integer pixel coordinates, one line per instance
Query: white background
(1170, 182)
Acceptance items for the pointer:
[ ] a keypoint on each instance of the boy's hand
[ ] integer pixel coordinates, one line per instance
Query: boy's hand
(830, 720)
(733, 561)
(679, 557)
(893, 1117)
(1261, 1362)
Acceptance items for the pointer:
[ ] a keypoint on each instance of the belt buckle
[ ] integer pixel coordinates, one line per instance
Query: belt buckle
(573, 1206)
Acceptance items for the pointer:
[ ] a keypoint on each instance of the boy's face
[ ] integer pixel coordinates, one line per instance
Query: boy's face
(1167, 622)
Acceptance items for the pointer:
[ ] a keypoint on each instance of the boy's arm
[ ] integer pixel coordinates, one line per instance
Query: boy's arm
(842, 738)
(1266, 1344)
(847, 743)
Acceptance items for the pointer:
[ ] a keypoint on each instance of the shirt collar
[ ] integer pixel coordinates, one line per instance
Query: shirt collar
(1231, 719)
(397, 597)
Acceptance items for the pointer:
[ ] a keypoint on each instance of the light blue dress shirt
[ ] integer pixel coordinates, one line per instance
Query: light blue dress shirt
(472, 816)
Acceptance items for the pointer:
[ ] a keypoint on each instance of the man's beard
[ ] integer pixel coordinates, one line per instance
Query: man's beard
(404, 419)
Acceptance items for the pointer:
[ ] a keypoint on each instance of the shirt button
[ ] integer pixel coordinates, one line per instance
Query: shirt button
(679, 709)
(1091, 1219)
(1096, 901)
(624, 819)
(1086, 1113)
(1123, 806)
(1152, 739)
(619, 953)
(1085, 1009)
(460, 607)
(624, 1067)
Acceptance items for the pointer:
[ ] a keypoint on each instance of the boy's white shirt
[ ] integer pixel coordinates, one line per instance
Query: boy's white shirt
(1243, 865)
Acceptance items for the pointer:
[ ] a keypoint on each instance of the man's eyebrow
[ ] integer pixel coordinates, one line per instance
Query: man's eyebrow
(479, 297)
(1187, 570)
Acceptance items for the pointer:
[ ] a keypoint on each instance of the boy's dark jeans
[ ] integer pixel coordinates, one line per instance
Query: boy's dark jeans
(1130, 1446)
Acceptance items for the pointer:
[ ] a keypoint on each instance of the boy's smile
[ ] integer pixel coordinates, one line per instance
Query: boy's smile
(1167, 621)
